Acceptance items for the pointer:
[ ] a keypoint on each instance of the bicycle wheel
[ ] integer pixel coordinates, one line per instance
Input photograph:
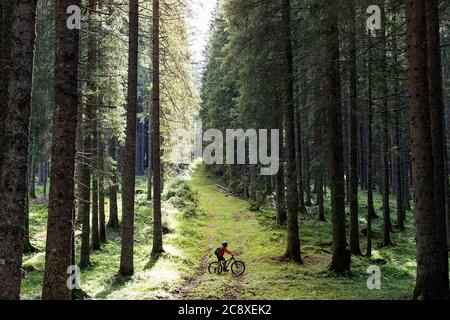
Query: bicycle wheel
(238, 267)
(215, 267)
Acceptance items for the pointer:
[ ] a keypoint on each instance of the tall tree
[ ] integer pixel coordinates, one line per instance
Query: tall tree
(101, 189)
(6, 8)
(293, 241)
(156, 135)
(397, 140)
(432, 269)
(353, 129)
(385, 136)
(370, 206)
(14, 184)
(85, 181)
(341, 255)
(58, 250)
(113, 212)
(129, 156)
(438, 140)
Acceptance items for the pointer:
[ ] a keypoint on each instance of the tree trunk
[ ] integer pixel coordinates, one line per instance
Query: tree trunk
(58, 251)
(397, 144)
(6, 8)
(299, 151)
(432, 269)
(387, 227)
(150, 155)
(370, 206)
(129, 155)
(318, 155)
(31, 176)
(14, 186)
(292, 199)
(341, 255)
(438, 138)
(156, 136)
(306, 172)
(27, 246)
(353, 130)
(101, 190)
(113, 211)
(89, 131)
(279, 183)
(94, 223)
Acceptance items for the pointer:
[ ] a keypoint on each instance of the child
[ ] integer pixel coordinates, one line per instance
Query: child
(220, 251)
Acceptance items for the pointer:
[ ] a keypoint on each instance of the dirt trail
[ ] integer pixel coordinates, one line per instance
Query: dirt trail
(183, 293)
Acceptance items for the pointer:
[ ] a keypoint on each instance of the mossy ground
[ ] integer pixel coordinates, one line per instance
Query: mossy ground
(180, 273)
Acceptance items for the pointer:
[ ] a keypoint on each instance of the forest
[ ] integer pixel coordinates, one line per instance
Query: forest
(141, 138)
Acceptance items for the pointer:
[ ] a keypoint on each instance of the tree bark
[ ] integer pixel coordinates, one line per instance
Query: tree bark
(279, 183)
(353, 130)
(113, 211)
(299, 151)
(6, 8)
(156, 136)
(387, 226)
(341, 255)
(432, 269)
(318, 158)
(89, 131)
(58, 251)
(292, 199)
(129, 155)
(14, 184)
(397, 144)
(101, 190)
(438, 138)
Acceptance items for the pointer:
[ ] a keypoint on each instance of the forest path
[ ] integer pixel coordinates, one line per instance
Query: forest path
(230, 220)
(260, 244)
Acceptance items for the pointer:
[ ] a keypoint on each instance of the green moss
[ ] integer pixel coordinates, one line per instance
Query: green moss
(214, 217)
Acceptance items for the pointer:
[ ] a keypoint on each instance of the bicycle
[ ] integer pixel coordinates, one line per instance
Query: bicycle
(237, 267)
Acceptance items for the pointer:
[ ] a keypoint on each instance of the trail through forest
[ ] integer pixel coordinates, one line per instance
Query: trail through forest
(259, 243)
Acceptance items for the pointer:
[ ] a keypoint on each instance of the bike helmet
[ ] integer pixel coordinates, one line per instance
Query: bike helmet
(224, 243)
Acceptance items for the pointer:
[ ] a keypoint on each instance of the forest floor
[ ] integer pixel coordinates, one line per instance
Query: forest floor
(181, 272)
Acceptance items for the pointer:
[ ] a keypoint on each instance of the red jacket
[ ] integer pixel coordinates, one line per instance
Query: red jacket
(222, 251)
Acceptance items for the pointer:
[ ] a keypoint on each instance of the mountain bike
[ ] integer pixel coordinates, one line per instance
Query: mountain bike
(237, 267)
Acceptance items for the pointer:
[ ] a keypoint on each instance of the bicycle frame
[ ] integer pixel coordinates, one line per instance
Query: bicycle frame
(228, 262)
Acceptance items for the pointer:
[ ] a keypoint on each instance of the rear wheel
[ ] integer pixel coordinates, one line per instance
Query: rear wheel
(215, 267)
(238, 267)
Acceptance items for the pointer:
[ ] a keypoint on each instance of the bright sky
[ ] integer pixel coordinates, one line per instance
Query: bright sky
(202, 11)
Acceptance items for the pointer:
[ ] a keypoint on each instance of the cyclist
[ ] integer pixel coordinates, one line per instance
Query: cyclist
(220, 251)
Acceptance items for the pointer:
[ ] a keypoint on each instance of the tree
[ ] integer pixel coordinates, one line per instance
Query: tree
(353, 128)
(385, 137)
(6, 8)
(14, 184)
(129, 156)
(113, 212)
(156, 135)
(293, 242)
(370, 207)
(58, 250)
(85, 181)
(397, 142)
(432, 269)
(341, 256)
(437, 119)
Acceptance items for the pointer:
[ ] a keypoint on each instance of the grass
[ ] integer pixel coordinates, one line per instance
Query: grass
(200, 216)
(261, 243)
(159, 279)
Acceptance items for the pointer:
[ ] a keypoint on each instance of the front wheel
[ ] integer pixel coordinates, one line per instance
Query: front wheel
(215, 267)
(238, 267)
